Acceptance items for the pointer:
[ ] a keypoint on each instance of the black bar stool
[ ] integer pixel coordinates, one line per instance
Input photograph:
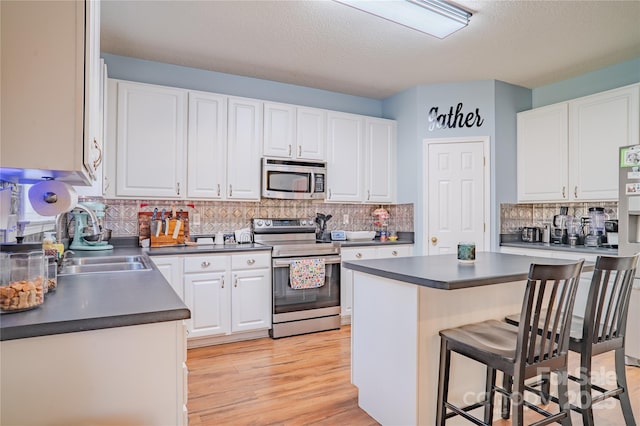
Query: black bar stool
(601, 330)
(517, 351)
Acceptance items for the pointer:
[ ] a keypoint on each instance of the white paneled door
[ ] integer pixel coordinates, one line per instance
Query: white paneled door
(456, 204)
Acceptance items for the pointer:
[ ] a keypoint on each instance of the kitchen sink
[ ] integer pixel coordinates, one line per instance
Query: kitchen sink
(92, 265)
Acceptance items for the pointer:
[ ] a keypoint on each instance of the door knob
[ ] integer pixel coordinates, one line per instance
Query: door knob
(434, 240)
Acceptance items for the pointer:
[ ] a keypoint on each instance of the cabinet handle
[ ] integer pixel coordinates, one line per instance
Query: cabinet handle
(251, 261)
(97, 162)
(299, 150)
(178, 188)
(368, 194)
(563, 192)
(289, 150)
(235, 281)
(394, 253)
(575, 192)
(222, 280)
(205, 264)
(329, 197)
(358, 255)
(218, 190)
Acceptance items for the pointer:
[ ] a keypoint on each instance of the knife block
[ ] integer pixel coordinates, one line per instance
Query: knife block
(162, 240)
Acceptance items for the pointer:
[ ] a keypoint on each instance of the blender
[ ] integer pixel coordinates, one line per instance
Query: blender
(559, 230)
(92, 237)
(596, 235)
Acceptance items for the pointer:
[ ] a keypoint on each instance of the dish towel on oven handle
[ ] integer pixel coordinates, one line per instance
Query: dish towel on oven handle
(306, 273)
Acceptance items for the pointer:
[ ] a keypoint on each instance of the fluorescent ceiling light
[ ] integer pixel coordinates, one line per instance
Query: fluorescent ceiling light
(433, 17)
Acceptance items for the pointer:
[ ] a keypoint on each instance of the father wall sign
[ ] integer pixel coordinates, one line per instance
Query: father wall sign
(453, 120)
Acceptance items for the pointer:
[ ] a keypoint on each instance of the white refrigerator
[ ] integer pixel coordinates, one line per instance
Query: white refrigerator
(629, 240)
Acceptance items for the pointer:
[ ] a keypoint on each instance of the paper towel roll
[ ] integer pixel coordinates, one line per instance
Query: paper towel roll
(50, 198)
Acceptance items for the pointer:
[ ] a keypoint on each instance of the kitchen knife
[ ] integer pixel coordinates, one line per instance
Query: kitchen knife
(176, 230)
(164, 221)
(153, 226)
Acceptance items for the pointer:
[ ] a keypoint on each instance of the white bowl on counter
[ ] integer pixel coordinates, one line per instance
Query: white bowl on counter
(360, 235)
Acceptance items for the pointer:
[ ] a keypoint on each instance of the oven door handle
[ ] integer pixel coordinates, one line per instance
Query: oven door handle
(280, 263)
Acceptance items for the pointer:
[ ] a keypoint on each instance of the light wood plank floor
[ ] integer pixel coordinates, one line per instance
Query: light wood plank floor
(304, 380)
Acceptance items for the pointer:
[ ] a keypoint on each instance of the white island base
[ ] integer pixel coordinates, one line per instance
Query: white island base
(395, 345)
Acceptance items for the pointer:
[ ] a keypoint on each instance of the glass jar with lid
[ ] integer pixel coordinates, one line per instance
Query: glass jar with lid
(25, 286)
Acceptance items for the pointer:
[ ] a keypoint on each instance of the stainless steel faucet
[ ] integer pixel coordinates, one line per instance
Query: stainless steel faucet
(91, 213)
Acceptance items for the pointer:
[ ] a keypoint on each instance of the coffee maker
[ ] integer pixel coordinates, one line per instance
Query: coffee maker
(559, 231)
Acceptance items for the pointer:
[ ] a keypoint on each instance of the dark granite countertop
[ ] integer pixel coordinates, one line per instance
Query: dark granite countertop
(97, 301)
(605, 251)
(445, 272)
(205, 249)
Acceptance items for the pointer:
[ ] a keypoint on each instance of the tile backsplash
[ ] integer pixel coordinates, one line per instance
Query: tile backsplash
(215, 216)
(513, 217)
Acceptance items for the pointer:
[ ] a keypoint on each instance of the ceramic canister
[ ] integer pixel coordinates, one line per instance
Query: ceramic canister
(466, 252)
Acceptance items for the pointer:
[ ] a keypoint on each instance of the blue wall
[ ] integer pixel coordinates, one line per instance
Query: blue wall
(133, 69)
(497, 103)
(600, 80)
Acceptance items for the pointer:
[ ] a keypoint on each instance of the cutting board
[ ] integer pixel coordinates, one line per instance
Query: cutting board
(144, 231)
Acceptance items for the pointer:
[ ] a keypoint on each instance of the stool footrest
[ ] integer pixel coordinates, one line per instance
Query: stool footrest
(457, 411)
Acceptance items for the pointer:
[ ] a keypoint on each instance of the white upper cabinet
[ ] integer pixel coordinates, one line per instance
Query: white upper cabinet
(50, 91)
(151, 140)
(542, 165)
(380, 168)
(361, 159)
(345, 155)
(207, 146)
(294, 132)
(599, 125)
(244, 149)
(569, 151)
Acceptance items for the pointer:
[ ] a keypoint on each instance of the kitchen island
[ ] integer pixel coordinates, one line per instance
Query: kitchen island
(399, 307)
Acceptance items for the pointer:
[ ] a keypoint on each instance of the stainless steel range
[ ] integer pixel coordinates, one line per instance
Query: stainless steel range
(300, 304)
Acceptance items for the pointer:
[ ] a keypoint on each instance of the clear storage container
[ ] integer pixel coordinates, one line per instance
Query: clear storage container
(25, 286)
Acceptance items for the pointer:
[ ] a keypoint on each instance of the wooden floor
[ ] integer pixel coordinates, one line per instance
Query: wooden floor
(304, 380)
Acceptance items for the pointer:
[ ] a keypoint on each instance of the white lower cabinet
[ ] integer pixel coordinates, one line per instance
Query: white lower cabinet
(122, 375)
(226, 294)
(363, 253)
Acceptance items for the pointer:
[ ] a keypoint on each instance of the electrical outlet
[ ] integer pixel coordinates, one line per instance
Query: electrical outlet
(195, 219)
(345, 219)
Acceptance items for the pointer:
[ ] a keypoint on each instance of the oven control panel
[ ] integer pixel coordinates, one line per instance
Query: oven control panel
(283, 225)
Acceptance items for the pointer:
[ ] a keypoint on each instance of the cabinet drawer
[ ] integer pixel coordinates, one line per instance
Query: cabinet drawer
(205, 263)
(360, 253)
(398, 251)
(250, 261)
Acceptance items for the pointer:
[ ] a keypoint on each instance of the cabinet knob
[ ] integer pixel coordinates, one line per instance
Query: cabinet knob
(358, 255)
(394, 253)
(251, 261)
(434, 240)
(205, 264)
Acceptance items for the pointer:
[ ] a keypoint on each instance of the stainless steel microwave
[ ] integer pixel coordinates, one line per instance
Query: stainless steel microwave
(293, 180)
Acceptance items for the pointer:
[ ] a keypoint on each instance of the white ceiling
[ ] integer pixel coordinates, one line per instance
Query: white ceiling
(327, 45)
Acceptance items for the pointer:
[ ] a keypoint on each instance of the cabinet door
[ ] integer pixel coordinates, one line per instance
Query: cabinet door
(43, 90)
(244, 149)
(345, 157)
(542, 164)
(599, 126)
(311, 134)
(208, 298)
(92, 86)
(251, 300)
(171, 269)
(346, 275)
(380, 169)
(151, 135)
(279, 130)
(206, 145)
